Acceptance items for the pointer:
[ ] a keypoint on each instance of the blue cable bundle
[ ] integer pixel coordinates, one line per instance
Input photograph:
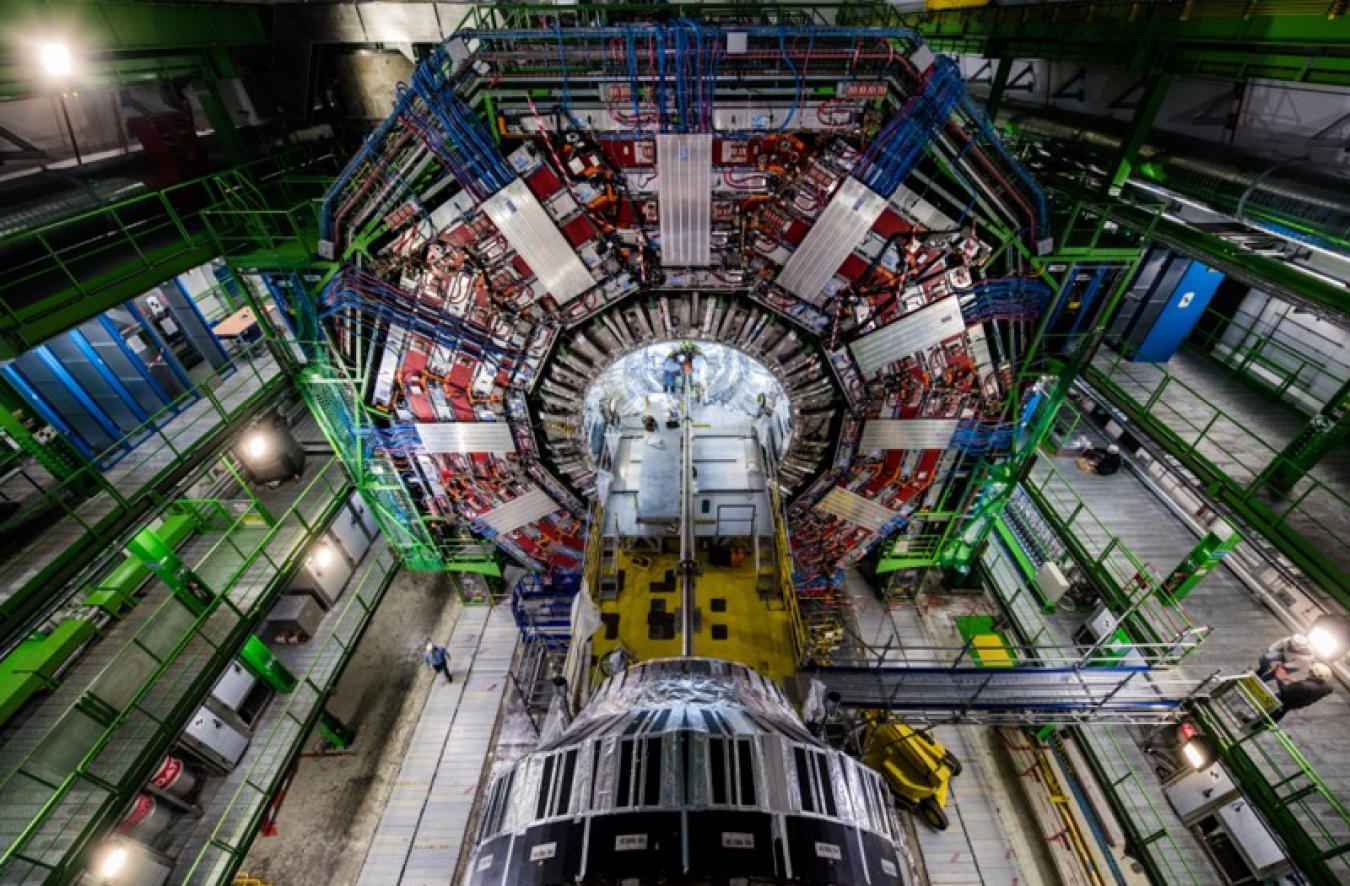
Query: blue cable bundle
(376, 299)
(696, 63)
(976, 437)
(1041, 220)
(899, 146)
(1012, 298)
(398, 438)
(476, 157)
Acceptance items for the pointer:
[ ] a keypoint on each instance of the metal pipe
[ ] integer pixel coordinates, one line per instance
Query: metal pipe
(1291, 198)
(688, 564)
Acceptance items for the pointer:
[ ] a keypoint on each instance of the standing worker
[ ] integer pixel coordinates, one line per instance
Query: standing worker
(670, 372)
(438, 660)
(1292, 654)
(1103, 462)
(1296, 694)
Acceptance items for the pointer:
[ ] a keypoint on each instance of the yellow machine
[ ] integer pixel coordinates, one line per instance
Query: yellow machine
(917, 768)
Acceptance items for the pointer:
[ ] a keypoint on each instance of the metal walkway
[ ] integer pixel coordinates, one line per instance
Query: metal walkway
(1012, 695)
(46, 811)
(978, 847)
(1242, 625)
(147, 467)
(1241, 440)
(211, 849)
(423, 827)
(975, 849)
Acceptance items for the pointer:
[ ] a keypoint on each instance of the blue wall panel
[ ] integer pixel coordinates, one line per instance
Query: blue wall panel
(1186, 302)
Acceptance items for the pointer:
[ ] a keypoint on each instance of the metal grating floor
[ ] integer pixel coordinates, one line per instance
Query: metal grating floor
(975, 849)
(276, 734)
(423, 828)
(1243, 627)
(1242, 441)
(132, 474)
(216, 561)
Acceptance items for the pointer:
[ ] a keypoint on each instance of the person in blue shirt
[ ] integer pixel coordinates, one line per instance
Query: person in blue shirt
(670, 373)
(438, 660)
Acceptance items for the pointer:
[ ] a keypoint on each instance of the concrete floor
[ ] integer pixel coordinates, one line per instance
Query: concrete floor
(990, 839)
(329, 815)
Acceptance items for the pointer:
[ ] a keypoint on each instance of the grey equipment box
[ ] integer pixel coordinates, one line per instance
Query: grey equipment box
(214, 739)
(294, 619)
(233, 687)
(325, 571)
(355, 528)
(1253, 840)
(1198, 794)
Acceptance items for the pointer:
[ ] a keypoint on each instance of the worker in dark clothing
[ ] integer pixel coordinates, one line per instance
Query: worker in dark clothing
(1297, 694)
(1103, 462)
(438, 660)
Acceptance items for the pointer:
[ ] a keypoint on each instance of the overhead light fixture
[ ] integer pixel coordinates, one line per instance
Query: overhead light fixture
(114, 860)
(269, 451)
(56, 59)
(256, 446)
(1256, 226)
(1171, 195)
(1330, 636)
(1198, 752)
(1195, 755)
(323, 556)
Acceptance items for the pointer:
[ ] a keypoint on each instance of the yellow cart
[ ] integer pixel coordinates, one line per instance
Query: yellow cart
(917, 768)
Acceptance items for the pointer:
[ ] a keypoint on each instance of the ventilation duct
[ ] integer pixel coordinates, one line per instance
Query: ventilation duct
(1293, 198)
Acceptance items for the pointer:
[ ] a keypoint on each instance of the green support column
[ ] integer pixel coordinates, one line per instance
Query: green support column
(261, 663)
(231, 142)
(335, 733)
(996, 88)
(208, 93)
(1155, 92)
(166, 565)
(1203, 557)
(995, 486)
(1328, 428)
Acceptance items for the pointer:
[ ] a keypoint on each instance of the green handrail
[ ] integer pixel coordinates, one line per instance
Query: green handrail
(1293, 522)
(1131, 587)
(1132, 797)
(98, 502)
(100, 750)
(273, 753)
(1154, 843)
(62, 272)
(1311, 820)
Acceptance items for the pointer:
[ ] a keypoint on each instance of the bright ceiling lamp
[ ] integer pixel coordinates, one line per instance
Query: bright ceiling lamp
(1330, 636)
(257, 445)
(56, 59)
(323, 556)
(114, 860)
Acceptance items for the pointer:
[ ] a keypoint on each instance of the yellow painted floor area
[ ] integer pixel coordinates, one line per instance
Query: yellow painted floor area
(755, 634)
(991, 651)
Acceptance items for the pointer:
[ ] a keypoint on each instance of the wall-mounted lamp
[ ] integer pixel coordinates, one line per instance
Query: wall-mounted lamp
(1330, 636)
(57, 60)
